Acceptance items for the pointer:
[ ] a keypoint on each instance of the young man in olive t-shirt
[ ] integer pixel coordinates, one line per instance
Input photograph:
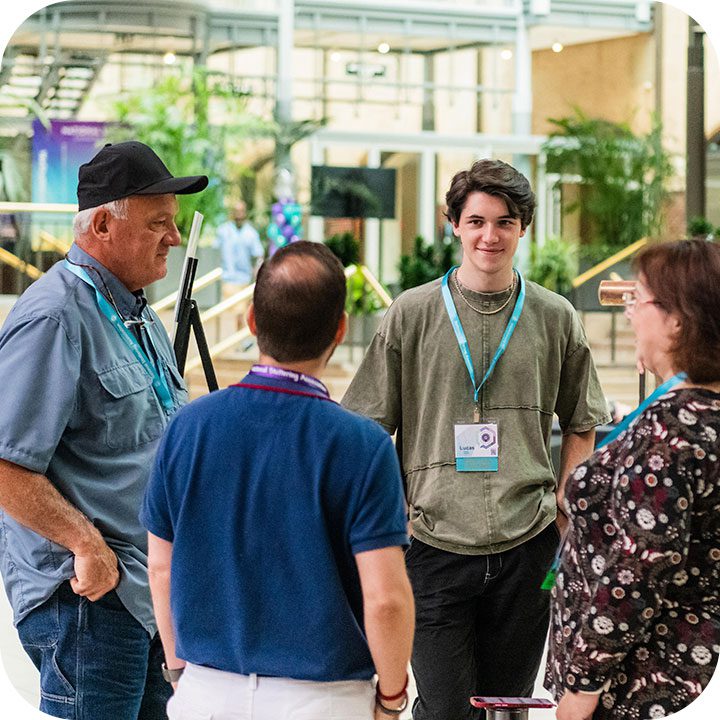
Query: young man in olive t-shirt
(469, 371)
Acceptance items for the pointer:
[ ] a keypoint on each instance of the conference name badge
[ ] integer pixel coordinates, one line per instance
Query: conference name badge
(476, 447)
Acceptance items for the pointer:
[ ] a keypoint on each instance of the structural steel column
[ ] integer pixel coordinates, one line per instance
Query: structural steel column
(428, 107)
(522, 112)
(284, 90)
(696, 146)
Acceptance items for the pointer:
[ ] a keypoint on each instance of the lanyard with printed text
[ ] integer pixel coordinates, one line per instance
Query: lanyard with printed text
(307, 381)
(626, 422)
(159, 382)
(462, 339)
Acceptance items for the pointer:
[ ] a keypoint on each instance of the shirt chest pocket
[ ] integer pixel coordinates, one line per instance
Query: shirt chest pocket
(178, 386)
(131, 411)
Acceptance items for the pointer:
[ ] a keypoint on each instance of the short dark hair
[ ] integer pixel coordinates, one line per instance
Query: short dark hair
(493, 177)
(299, 300)
(684, 278)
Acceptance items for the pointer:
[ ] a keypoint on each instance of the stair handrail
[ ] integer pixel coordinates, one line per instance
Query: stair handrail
(60, 245)
(24, 267)
(246, 294)
(200, 283)
(609, 262)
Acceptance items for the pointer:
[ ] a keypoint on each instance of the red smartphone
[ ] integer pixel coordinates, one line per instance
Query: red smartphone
(510, 702)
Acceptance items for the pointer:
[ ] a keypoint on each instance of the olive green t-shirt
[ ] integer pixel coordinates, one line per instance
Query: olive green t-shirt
(413, 380)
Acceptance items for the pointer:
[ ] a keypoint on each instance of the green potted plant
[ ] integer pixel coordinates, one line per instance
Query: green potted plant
(623, 178)
(426, 262)
(554, 265)
(346, 247)
(700, 227)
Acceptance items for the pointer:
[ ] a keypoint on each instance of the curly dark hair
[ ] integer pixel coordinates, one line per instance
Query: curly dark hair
(493, 177)
(684, 278)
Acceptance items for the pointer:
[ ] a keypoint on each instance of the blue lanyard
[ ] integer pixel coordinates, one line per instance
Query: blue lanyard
(628, 420)
(462, 339)
(159, 381)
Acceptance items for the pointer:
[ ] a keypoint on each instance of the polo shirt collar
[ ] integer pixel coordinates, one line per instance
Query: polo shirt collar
(130, 304)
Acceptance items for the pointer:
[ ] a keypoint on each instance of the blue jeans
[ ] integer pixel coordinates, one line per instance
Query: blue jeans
(96, 661)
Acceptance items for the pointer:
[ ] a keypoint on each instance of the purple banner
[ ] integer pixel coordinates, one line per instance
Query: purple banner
(57, 155)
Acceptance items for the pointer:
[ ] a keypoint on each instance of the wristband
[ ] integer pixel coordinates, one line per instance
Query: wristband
(390, 698)
(393, 712)
(171, 675)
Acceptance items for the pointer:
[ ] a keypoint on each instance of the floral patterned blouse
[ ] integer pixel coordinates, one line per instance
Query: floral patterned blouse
(636, 605)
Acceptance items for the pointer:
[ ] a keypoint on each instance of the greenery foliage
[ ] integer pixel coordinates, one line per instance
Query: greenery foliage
(426, 262)
(701, 227)
(554, 265)
(346, 248)
(361, 299)
(623, 176)
(173, 119)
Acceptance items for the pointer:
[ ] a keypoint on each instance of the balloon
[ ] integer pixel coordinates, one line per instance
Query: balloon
(280, 219)
(288, 231)
(294, 238)
(276, 208)
(296, 220)
(273, 231)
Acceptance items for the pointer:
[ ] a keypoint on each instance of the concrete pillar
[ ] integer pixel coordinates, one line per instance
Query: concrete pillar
(316, 223)
(372, 225)
(426, 196)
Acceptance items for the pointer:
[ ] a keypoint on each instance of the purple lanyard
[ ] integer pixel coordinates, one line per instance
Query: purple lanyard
(303, 381)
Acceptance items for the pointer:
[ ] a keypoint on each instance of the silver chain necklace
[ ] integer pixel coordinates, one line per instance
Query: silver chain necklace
(486, 312)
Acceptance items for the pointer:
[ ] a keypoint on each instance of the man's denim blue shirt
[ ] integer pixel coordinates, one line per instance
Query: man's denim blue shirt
(78, 407)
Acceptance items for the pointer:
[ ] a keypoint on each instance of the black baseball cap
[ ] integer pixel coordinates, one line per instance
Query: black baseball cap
(129, 168)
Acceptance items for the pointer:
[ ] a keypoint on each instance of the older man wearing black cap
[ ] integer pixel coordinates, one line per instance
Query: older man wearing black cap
(89, 384)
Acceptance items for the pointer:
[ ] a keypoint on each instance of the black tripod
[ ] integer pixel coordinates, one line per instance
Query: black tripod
(187, 314)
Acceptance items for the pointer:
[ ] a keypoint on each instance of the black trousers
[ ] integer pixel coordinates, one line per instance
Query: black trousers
(481, 624)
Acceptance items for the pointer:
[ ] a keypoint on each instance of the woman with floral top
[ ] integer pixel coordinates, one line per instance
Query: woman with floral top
(635, 628)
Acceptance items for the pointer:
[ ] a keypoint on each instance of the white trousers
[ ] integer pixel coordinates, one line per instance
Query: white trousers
(207, 694)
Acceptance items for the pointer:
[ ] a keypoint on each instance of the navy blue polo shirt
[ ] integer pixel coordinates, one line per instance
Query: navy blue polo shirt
(267, 496)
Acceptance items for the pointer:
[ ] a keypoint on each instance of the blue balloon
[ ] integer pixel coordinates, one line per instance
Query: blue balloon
(273, 231)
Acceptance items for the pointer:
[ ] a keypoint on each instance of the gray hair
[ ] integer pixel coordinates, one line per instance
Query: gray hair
(117, 208)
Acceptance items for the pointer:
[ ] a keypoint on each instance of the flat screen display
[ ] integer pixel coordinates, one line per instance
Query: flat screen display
(352, 192)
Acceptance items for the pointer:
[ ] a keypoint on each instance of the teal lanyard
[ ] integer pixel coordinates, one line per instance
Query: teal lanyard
(159, 381)
(640, 409)
(462, 339)
(628, 420)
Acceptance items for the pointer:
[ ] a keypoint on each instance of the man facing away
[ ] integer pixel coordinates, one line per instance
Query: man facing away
(276, 523)
(468, 370)
(90, 383)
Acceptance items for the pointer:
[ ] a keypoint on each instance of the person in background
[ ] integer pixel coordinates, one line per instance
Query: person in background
(276, 525)
(635, 627)
(469, 371)
(90, 383)
(241, 252)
